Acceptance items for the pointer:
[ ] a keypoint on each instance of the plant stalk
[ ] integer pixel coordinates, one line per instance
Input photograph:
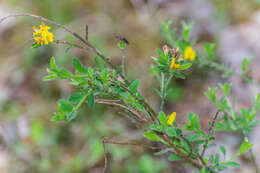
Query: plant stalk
(162, 91)
(123, 61)
(253, 160)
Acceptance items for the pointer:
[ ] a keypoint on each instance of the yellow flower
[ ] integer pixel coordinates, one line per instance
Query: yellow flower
(171, 118)
(174, 65)
(42, 35)
(38, 40)
(189, 53)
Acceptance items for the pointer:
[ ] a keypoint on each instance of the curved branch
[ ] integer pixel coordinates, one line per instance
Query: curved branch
(110, 102)
(210, 132)
(37, 17)
(87, 43)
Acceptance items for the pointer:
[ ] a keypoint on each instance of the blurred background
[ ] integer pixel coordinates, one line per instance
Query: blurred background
(31, 143)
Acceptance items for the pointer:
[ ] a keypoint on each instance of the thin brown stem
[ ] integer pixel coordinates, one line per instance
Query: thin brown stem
(68, 43)
(105, 155)
(109, 141)
(86, 32)
(137, 123)
(210, 132)
(109, 102)
(37, 17)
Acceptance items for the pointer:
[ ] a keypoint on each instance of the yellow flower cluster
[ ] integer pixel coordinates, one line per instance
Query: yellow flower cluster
(42, 35)
(171, 118)
(189, 54)
(174, 65)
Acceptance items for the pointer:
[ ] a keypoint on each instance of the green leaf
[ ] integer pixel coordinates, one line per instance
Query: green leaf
(91, 100)
(97, 62)
(53, 64)
(245, 63)
(69, 37)
(156, 127)
(220, 126)
(35, 46)
(185, 66)
(64, 106)
(162, 118)
(50, 77)
(209, 48)
(155, 59)
(196, 122)
(160, 53)
(223, 150)
(211, 94)
(234, 164)
(225, 88)
(104, 75)
(174, 157)
(193, 124)
(171, 132)
(64, 73)
(78, 66)
(90, 73)
(76, 97)
(221, 167)
(71, 116)
(134, 86)
(192, 137)
(178, 131)
(163, 151)
(178, 75)
(217, 159)
(152, 136)
(58, 116)
(122, 44)
(204, 170)
(138, 106)
(244, 147)
(186, 145)
(186, 28)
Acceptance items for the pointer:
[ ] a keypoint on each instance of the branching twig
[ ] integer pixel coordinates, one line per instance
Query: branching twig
(68, 43)
(210, 132)
(138, 124)
(109, 141)
(109, 102)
